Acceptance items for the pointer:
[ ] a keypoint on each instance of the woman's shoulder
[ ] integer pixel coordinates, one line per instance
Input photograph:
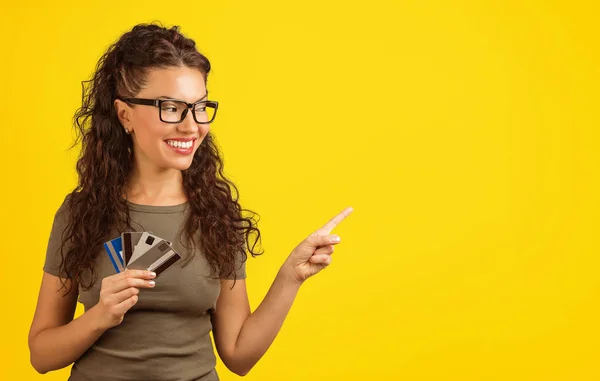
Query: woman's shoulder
(63, 209)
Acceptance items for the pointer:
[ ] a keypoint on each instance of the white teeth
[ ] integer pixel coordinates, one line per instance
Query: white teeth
(178, 144)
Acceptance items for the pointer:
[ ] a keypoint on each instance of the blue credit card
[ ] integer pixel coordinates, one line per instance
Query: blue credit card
(114, 249)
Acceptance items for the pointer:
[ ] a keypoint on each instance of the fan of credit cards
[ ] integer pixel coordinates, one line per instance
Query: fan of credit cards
(141, 251)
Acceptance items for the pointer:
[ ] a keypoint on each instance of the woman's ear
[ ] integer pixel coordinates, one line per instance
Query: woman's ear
(124, 114)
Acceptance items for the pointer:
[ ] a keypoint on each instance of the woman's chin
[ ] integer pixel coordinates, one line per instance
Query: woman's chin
(169, 163)
(181, 165)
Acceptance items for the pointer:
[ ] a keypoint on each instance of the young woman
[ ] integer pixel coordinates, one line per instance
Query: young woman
(149, 164)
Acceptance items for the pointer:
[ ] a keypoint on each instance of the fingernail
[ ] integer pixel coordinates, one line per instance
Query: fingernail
(152, 283)
(152, 274)
(335, 238)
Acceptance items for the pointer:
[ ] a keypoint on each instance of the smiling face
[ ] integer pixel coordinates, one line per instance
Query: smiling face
(156, 143)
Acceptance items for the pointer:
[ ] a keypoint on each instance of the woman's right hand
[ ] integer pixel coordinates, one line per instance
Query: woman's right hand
(119, 293)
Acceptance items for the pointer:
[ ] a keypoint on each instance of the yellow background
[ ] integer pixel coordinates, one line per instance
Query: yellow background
(464, 134)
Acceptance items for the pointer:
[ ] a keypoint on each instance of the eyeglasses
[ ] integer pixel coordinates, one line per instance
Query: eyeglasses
(174, 110)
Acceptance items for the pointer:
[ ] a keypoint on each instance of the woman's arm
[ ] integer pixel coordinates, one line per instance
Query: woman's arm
(242, 338)
(56, 340)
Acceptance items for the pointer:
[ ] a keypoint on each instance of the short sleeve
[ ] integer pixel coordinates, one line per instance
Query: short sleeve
(53, 253)
(240, 267)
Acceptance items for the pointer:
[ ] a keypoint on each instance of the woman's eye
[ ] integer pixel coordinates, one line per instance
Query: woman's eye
(169, 109)
(200, 109)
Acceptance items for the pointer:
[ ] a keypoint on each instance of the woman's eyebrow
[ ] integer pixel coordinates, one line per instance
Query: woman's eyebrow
(167, 97)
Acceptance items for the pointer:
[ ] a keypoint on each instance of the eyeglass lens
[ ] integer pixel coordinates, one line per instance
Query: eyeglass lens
(171, 111)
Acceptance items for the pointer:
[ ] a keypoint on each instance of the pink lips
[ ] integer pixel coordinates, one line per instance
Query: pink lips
(182, 151)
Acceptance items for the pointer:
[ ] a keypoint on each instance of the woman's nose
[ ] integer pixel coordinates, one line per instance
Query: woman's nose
(188, 124)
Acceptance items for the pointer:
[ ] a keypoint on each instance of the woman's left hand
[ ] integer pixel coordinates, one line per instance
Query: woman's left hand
(314, 253)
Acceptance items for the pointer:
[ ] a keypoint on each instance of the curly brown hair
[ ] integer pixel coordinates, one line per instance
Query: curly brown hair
(104, 166)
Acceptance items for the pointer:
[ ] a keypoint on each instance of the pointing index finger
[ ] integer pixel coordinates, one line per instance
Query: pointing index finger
(328, 227)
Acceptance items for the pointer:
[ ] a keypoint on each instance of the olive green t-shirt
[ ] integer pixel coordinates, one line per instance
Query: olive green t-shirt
(165, 336)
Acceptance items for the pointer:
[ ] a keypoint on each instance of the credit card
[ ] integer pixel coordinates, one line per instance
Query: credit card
(159, 258)
(129, 241)
(114, 250)
(145, 243)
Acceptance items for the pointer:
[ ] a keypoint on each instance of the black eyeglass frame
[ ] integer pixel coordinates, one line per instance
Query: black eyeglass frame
(158, 103)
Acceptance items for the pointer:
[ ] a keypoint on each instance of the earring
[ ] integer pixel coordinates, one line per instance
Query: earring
(127, 131)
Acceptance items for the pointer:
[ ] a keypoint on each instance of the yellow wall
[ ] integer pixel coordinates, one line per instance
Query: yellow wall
(463, 133)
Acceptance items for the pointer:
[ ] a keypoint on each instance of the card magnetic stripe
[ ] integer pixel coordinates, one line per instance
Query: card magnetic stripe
(165, 262)
(127, 247)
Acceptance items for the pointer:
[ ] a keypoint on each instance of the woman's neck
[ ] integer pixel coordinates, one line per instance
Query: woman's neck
(165, 187)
